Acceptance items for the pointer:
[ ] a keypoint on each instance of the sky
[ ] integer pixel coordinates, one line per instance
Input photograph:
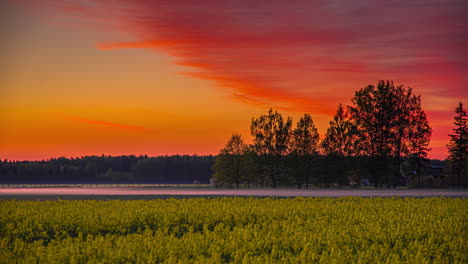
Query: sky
(120, 77)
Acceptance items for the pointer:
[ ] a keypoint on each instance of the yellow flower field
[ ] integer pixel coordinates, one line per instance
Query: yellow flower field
(237, 230)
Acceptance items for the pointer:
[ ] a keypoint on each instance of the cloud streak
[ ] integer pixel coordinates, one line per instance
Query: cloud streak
(297, 54)
(104, 123)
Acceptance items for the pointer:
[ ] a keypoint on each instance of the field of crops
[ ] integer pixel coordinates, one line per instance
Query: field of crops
(238, 230)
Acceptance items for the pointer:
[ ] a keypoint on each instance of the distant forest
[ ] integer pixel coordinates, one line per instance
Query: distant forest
(107, 169)
(175, 169)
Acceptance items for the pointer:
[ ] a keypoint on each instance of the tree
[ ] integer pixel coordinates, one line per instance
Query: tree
(305, 139)
(339, 144)
(90, 170)
(384, 115)
(419, 144)
(231, 165)
(271, 137)
(458, 147)
(373, 111)
(340, 138)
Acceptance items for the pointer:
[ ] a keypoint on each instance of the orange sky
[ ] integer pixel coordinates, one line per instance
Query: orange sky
(166, 77)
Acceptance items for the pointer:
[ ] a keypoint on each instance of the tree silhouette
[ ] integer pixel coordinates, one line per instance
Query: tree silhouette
(340, 139)
(340, 142)
(271, 138)
(123, 169)
(231, 165)
(304, 144)
(458, 147)
(384, 115)
(384, 131)
(419, 144)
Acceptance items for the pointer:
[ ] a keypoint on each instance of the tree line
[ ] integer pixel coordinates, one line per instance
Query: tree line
(108, 169)
(383, 136)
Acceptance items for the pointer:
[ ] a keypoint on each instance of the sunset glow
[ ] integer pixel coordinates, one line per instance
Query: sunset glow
(179, 77)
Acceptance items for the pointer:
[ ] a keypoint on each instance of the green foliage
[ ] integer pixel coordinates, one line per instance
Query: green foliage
(236, 230)
(304, 145)
(232, 165)
(271, 141)
(271, 134)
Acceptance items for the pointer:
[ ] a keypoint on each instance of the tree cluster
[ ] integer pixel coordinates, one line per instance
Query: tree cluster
(384, 127)
(381, 138)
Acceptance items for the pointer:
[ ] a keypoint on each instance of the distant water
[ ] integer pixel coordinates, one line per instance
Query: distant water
(7, 193)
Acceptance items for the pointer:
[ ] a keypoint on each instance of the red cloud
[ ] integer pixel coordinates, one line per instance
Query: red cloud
(299, 55)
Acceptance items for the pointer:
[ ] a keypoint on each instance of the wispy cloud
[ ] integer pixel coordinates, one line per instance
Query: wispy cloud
(104, 123)
(297, 54)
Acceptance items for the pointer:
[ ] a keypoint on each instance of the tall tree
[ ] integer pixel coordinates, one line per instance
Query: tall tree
(305, 141)
(458, 147)
(339, 144)
(231, 165)
(271, 138)
(340, 139)
(420, 136)
(384, 114)
(373, 112)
